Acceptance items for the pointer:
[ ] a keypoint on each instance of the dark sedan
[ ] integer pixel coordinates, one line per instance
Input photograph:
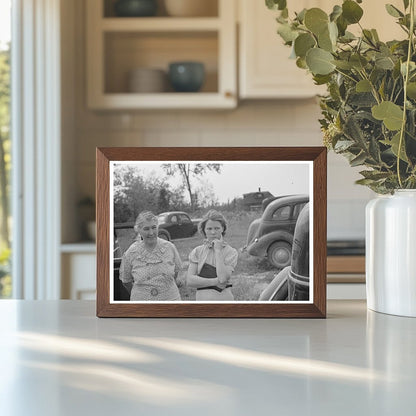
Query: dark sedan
(271, 235)
(176, 224)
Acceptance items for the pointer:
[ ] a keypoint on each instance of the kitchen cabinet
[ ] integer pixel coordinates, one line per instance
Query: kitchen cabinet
(346, 277)
(265, 70)
(118, 45)
(78, 264)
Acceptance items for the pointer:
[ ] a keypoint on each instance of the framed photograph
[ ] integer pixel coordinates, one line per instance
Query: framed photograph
(211, 232)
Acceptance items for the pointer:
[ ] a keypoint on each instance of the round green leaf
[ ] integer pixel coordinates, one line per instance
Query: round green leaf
(287, 33)
(301, 15)
(319, 61)
(351, 11)
(316, 20)
(303, 43)
(394, 143)
(325, 42)
(347, 37)
(301, 63)
(358, 61)
(345, 65)
(336, 12)
(322, 79)
(363, 86)
(391, 114)
(276, 4)
(333, 32)
(384, 62)
(411, 90)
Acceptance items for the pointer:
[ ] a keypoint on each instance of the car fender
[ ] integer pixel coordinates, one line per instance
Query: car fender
(259, 248)
(278, 288)
(162, 230)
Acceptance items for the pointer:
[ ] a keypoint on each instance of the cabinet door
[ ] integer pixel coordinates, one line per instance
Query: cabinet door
(78, 276)
(265, 68)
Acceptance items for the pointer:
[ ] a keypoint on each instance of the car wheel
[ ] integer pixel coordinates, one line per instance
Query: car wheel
(164, 235)
(280, 254)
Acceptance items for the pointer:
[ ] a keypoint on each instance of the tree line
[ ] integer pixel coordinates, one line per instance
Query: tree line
(134, 192)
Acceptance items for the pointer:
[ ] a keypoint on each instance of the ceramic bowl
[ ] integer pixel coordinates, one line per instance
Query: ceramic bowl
(186, 76)
(135, 8)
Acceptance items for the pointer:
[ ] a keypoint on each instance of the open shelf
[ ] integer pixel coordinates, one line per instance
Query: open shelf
(118, 45)
(127, 51)
(160, 24)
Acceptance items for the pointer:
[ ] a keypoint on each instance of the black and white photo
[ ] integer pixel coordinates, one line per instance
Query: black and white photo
(215, 231)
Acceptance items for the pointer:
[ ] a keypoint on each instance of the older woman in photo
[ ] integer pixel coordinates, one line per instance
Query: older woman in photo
(211, 264)
(150, 266)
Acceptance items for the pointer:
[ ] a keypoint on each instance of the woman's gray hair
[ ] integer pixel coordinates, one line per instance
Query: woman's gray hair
(144, 216)
(212, 215)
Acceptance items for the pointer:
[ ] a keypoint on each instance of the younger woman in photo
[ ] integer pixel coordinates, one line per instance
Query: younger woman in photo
(212, 263)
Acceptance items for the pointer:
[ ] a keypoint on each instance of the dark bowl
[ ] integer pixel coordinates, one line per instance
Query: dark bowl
(186, 76)
(135, 8)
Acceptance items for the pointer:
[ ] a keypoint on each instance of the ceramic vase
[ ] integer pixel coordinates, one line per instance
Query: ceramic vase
(391, 253)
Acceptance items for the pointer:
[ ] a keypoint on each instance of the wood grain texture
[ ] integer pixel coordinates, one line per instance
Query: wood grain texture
(317, 309)
(319, 230)
(346, 264)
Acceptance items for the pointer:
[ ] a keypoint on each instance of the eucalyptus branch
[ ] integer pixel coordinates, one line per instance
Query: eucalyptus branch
(392, 91)
(346, 75)
(406, 79)
(404, 28)
(373, 88)
(397, 95)
(361, 59)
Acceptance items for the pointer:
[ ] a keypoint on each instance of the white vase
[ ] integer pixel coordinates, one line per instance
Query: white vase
(391, 253)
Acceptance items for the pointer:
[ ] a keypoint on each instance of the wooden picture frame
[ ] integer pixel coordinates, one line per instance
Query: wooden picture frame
(303, 165)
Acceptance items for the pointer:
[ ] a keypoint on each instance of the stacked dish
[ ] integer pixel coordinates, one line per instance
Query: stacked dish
(147, 80)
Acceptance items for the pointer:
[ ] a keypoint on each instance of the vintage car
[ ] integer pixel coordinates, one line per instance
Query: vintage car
(271, 235)
(292, 283)
(176, 224)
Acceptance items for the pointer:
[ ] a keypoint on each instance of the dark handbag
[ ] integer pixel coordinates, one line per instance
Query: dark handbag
(210, 272)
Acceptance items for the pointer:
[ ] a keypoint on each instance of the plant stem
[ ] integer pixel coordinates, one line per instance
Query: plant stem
(373, 88)
(346, 75)
(405, 81)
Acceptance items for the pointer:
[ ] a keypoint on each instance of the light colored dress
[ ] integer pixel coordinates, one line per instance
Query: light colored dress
(151, 272)
(205, 254)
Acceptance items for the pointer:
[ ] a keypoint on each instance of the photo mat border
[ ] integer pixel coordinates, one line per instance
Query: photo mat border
(311, 309)
(307, 163)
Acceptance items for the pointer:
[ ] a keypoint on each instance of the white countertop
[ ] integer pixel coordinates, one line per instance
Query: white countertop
(57, 358)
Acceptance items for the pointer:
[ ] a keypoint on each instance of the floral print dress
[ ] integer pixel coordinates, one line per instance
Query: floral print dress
(151, 272)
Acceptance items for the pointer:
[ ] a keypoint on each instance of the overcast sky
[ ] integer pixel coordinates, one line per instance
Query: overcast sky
(238, 178)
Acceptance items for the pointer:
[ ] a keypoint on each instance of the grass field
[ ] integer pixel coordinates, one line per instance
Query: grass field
(252, 274)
